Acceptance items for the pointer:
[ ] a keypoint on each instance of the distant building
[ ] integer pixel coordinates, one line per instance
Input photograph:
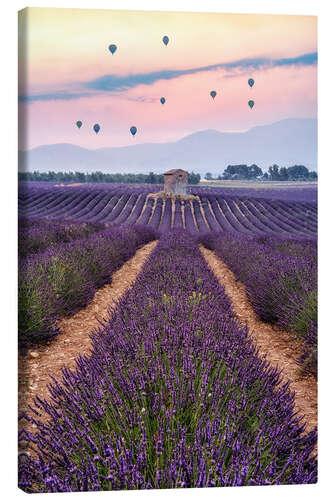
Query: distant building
(176, 181)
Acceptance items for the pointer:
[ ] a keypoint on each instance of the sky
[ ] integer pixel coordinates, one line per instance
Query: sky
(67, 73)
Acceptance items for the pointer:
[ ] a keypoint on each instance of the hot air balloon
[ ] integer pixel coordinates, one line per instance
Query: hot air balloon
(213, 94)
(165, 40)
(133, 130)
(112, 48)
(251, 104)
(162, 100)
(250, 82)
(96, 128)
(79, 124)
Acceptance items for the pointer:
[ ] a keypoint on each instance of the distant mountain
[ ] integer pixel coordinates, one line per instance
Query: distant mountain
(287, 142)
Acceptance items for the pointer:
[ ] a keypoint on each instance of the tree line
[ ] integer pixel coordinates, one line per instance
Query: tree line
(81, 177)
(275, 173)
(295, 173)
(232, 172)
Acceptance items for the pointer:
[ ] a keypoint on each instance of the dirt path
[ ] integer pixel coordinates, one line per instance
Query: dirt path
(35, 368)
(204, 215)
(193, 215)
(182, 208)
(173, 207)
(277, 345)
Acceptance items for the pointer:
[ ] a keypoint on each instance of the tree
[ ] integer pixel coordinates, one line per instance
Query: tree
(242, 172)
(151, 178)
(226, 175)
(254, 172)
(283, 174)
(298, 172)
(208, 176)
(313, 176)
(80, 176)
(192, 178)
(274, 174)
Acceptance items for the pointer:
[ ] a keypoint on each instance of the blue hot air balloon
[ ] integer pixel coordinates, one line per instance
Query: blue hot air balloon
(112, 48)
(162, 100)
(165, 40)
(96, 128)
(79, 124)
(251, 104)
(213, 94)
(133, 130)
(250, 82)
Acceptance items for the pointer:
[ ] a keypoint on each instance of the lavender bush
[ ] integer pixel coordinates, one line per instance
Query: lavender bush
(35, 235)
(173, 395)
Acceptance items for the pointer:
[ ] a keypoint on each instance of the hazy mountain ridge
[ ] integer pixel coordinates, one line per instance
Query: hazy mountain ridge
(287, 142)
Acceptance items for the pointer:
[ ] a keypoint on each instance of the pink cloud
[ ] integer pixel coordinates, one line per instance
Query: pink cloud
(278, 93)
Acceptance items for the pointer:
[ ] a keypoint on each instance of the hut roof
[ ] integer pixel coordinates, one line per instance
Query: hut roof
(175, 171)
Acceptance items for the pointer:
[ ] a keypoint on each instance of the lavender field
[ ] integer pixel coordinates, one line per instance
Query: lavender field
(284, 213)
(174, 392)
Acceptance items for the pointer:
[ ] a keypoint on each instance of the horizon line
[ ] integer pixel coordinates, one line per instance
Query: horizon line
(168, 142)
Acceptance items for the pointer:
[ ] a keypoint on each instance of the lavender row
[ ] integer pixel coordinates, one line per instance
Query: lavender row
(202, 226)
(56, 204)
(147, 212)
(157, 214)
(70, 197)
(189, 220)
(137, 210)
(264, 223)
(95, 212)
(278, 213)
(111, 202)
(35, 235)
(178, 218)
(166, 220)
(126, 212)
(85, 208)
(252, 225)
(173, 395)
(65, 277)
(209, 215)
(281, 282)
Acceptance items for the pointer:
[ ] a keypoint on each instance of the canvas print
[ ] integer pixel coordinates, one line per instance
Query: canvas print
(167, 286)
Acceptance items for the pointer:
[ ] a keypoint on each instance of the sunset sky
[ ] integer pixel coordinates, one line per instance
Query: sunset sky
(67, 74)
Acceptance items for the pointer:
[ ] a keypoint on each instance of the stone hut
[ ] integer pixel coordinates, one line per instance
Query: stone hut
(176, 181)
